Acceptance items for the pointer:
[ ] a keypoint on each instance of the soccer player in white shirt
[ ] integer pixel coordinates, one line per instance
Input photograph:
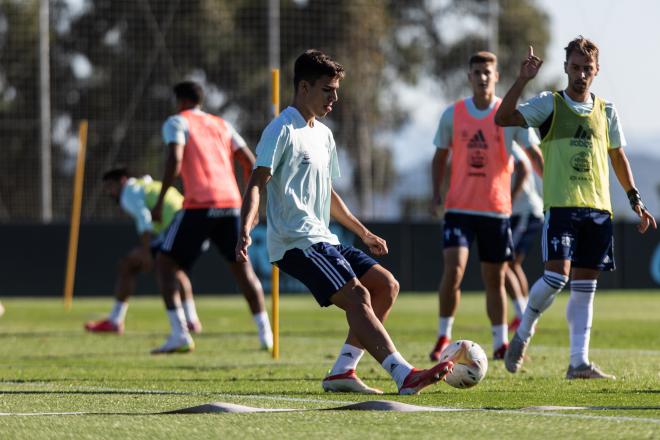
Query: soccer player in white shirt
(297, 160)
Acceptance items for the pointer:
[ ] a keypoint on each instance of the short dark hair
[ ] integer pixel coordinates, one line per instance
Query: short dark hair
(189, 90)
(312, 65)
(482, 57)
(115, 174)
(583, 46)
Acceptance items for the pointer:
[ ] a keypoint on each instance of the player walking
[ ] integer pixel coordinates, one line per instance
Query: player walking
(478, 201)
(136, 197)
(202, 148)
(297, 160)
(579, 130)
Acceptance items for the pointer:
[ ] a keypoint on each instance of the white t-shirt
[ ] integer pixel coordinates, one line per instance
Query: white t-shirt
(303, 162)
(539, 108)
(529, 200)
(175, 130)
(132, 200)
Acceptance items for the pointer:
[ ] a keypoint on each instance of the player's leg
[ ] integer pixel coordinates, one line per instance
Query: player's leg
(383, 289)
(493, 275)
(558, 245)
(225, 235)
(129, 267)
(457, 237)
(181, 246)
(594, 253)
(514, 289)
(331, 280)
(188, 302)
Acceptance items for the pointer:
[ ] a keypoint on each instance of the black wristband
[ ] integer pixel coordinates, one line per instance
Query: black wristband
(635, 199)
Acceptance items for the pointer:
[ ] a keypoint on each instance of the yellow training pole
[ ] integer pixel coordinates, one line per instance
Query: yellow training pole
(75, 217)
(275, 277)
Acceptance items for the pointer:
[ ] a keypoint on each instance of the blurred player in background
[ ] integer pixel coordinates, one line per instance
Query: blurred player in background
(136, 197)
(478, 204)
(297, 160)
(579, 130)
(526, 224)
(202, 149)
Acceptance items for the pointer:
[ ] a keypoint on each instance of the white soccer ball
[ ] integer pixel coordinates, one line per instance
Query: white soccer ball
(470, 363)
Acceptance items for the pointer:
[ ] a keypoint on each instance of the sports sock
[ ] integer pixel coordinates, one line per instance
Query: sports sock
(348, 358)
(263, 328)
(520, 304)
(579, 313)
(397, 367)
(499, 335)
(445, 326)
(118, 312)
(541, 296)
(190, 310)
(177, 321)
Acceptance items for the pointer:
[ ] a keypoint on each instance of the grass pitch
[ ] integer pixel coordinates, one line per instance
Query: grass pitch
(50, 365)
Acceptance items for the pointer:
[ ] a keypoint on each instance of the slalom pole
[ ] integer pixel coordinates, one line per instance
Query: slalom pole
(74, 232)
(275, 276)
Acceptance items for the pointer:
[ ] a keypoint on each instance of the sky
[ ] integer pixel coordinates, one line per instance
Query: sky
(627, 33)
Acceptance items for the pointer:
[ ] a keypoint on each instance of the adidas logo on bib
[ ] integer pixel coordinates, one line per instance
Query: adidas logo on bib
(581, 138)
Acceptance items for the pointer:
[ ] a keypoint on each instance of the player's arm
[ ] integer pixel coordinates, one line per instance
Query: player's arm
(520, 174)
(438, 167)
(172, 170)
(250, 209)
(507, 115)
(536, 157)
(246, 161)
(340, 212)
(625, 177)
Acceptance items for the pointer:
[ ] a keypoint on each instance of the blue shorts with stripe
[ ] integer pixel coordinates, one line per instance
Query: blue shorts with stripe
(325, 268)
(188, 234)
(524, 231)
(582, 235)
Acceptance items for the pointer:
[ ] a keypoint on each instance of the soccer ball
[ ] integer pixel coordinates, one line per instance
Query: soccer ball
(470, 363)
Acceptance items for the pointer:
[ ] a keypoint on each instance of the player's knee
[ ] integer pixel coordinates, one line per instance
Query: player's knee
(454, 274)
(391, 289)
(360, 299)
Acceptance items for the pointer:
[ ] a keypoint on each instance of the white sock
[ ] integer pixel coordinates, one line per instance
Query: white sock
(190, 310)
(177, 322)
(499, 335)
(397, 367)
(118, 312)
(541, 296)
(445, 326)
(520, 304)
(348, 358)
(579, 313)
(263, 328)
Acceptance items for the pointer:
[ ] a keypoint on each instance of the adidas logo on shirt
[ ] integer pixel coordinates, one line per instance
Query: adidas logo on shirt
(581, 138)
(478, 141)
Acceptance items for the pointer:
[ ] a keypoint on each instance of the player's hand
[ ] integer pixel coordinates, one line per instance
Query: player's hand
(645, 219)
(244, 241)
(530, 66)
(377, 246)
(157, 212)
(434, 208)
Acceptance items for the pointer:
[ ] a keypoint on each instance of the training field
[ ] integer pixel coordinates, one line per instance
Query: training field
(115, 388)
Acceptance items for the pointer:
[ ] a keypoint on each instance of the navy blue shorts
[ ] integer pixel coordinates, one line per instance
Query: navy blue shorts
(493, 235)
(185, 238)
(325, 268)
(524, 231)
(582, 235)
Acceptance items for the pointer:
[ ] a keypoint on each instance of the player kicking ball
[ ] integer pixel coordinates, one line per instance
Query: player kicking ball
(580, 131)
(296, 162)
(137, 196)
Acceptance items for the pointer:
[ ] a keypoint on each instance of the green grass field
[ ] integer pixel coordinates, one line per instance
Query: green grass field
(49, 365)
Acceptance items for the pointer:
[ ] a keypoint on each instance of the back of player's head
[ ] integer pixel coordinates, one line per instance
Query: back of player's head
(482, 57)
(312, 65)
(583, 46)
(189, 91)
(115, 174)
